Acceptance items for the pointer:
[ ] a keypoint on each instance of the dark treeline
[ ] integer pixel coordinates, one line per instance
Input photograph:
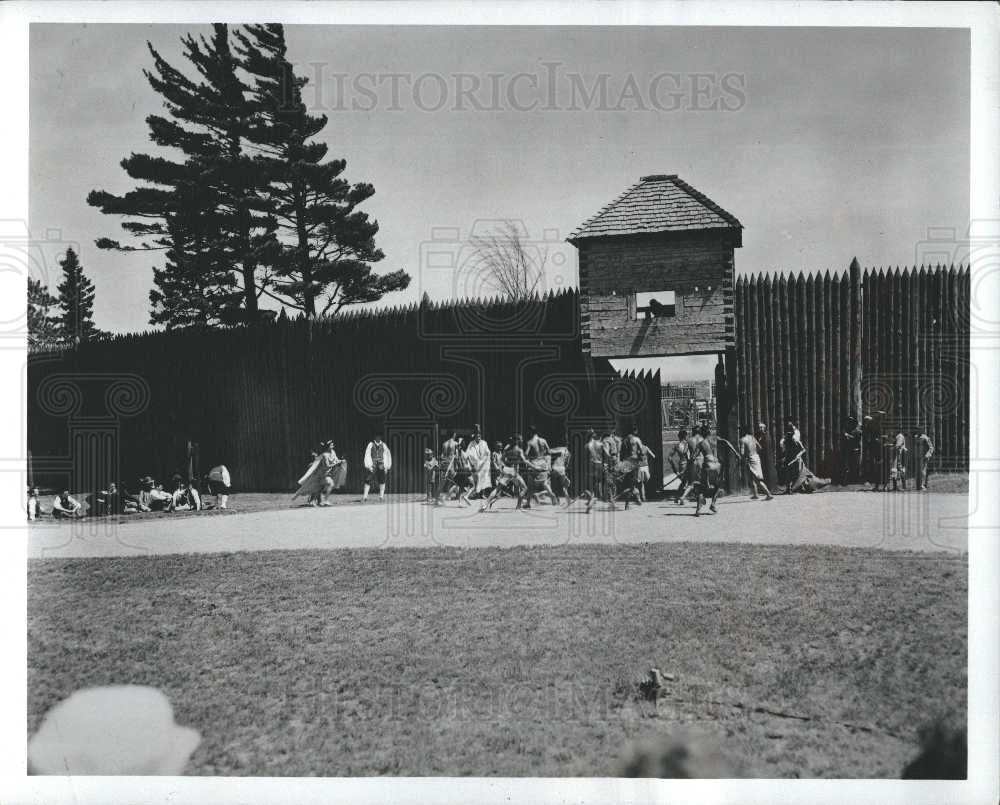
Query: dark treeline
(260, 397)
(794, 356)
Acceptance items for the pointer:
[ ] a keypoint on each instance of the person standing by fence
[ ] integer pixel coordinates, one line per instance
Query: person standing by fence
(872, 456)
(749, 452)
(378, 462)
(897, 468)
(924, 449)
(850, 452)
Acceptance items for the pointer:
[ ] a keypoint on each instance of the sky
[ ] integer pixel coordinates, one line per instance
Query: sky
(825, 143)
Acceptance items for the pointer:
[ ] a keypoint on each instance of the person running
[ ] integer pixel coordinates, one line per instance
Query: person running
(764, 451)
(680, 462)
(479, 455)
(510, 480)
(378, 462)
(612, 455)
(449, 448)
(749, 453)
(632, 453)
(536, 474)
(644, 472)
(593, 481)
(496, 463)
(924, 449)
(559, 478)
(709, 472)
(462, 475)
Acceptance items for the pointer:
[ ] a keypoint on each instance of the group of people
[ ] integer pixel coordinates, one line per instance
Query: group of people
(149, 496)
(533, 471)
(327, 472)
(877, 459)
(697, 468)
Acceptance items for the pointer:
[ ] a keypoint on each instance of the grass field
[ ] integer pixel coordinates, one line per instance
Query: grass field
(805, 661)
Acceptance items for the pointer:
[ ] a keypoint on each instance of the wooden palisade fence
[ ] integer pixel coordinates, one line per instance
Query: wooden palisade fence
(260, 398)
(823, 347)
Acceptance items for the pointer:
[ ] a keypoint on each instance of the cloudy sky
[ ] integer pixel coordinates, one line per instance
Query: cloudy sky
(825, 143)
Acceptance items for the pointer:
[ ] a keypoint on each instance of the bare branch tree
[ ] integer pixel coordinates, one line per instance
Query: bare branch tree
(508, 262)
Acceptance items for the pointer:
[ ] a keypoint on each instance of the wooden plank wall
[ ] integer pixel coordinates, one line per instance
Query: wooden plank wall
(806, 345)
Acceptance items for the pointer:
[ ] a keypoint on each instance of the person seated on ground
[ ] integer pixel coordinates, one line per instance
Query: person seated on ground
(218, 483)
(33, 510)
(108, 501)
(66, 507)
(142, 500)
(186, 498)
(160, 499)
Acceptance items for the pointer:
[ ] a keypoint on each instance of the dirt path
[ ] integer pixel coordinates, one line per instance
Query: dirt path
(918, 522)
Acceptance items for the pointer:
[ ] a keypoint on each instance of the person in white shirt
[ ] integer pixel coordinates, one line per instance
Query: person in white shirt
(219, 483)
(186, 498)
(32, 504)
(63, 506)
(378, 462)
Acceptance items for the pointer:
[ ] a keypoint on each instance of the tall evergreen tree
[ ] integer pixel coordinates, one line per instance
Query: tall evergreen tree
(76, 301)
(327, 245)
(43, 329)
(196, 287)
(207, 122)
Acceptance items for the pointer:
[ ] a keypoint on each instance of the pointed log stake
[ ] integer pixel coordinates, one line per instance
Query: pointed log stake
(856, 332)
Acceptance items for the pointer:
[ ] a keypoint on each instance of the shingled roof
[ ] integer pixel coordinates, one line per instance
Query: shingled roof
(657, 203)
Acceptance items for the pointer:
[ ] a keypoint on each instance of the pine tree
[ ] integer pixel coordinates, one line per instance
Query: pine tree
(43, 329)
(76, 301)
(207, 123)
(196, 287)
(327, 245)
